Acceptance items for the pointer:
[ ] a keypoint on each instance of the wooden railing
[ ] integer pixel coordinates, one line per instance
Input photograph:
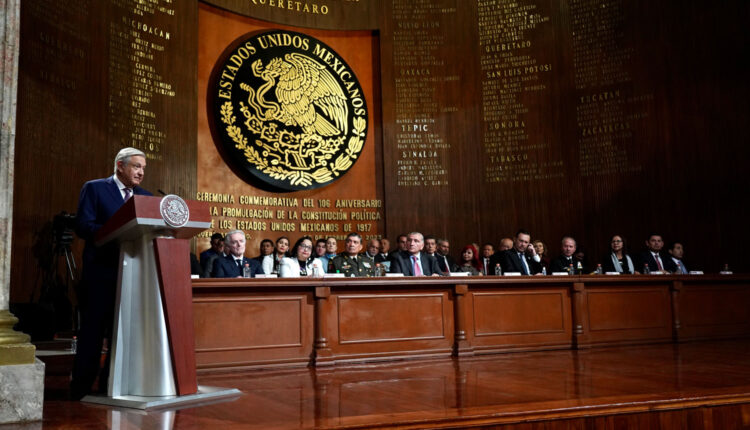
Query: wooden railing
(253, 323)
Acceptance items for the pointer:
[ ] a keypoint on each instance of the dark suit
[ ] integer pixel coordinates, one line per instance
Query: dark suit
(441, 263)
(98, 201)
(402, 263)
(561, 264)
(497, 258)
(512, 263)
(646, 257)
(609, 266)
(225, 267)
(207, 253)
(379, 258)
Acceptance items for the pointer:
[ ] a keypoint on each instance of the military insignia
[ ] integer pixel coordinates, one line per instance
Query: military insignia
(286, 111)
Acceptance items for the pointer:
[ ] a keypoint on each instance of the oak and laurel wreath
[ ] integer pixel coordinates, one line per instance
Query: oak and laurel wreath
(320, 176)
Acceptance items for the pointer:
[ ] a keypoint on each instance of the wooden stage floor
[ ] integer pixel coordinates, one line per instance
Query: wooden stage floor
(700, 385)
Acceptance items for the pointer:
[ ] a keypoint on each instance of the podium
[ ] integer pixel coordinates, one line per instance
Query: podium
(152, 363)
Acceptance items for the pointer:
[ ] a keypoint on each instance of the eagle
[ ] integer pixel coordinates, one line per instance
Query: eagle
(307, 93)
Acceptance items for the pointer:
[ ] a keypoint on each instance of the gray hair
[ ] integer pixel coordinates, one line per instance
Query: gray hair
(416, 233)
(228, 237)
(125, 154)
(568, 238)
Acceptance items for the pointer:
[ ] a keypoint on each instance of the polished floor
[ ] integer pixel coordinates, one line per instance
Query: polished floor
(533, 387)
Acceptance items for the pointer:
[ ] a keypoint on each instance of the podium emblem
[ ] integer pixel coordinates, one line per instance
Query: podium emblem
(174, 211)
(286, 111)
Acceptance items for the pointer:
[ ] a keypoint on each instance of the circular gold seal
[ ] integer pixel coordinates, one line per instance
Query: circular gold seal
(174, 211)
(286, 112)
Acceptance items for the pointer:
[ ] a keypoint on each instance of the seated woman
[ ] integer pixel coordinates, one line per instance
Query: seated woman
(541, 251)
(470, 261)
(271, 262)
(301, 263)
(618, 260)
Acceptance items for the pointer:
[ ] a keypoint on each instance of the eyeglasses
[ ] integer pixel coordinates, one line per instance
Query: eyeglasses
(305, 247)
(616, 241)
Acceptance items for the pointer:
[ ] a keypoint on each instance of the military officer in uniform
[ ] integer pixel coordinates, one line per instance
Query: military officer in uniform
(350, 263)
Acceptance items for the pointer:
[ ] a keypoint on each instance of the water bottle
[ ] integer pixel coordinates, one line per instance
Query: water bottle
(498, 270)
(571, 270)
(246, 271)
(598, 270)
(579, 268)
(544, 271)
(378, 270)
(74, 344)
(646, 269)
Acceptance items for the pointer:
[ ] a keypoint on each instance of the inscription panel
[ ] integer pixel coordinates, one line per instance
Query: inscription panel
(95, 76)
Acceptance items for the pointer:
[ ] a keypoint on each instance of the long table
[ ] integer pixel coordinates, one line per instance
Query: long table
(264, 323)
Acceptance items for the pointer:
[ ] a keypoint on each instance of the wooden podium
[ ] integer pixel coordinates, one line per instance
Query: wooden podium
(153, 343)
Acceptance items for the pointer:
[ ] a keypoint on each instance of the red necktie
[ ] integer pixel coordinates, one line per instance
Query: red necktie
(658, 262)
(417, 270)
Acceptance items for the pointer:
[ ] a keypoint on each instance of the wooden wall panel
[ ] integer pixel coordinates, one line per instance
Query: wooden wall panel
(252, 331)
(713, 311)
(504, 319)
(378, 324)
(616, 314)
(390, 318)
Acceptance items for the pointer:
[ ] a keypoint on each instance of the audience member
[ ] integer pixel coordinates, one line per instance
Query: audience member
(565, 260)
(506, 243)
(217, 246)
(676, 251)
(470, 261)
(541, 251)
(581, 261)
(618, 259)
(350, 263)
(271, 262)
(373, 247)
(302, 261)
(232, 266)
(414, 262)
(446, 263)
(385, 249)
(522, 258)
(266, 248)
(487, 250)
(430, 245)
(652, 256)
(320, 252)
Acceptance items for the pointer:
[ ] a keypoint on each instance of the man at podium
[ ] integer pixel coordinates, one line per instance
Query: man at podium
(98, 201)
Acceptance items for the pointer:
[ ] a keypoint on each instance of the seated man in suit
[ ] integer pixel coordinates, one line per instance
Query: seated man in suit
(217, 245)
(676, 251)
(373, 247)
(446, 263)
(232, 265)
(486, 253)
(385, 249)
(522, 258)
(652, 256)
(565, 259)
(414, 262)
(496, 260)
(350, 263)
(99, 200)
(401, 247)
